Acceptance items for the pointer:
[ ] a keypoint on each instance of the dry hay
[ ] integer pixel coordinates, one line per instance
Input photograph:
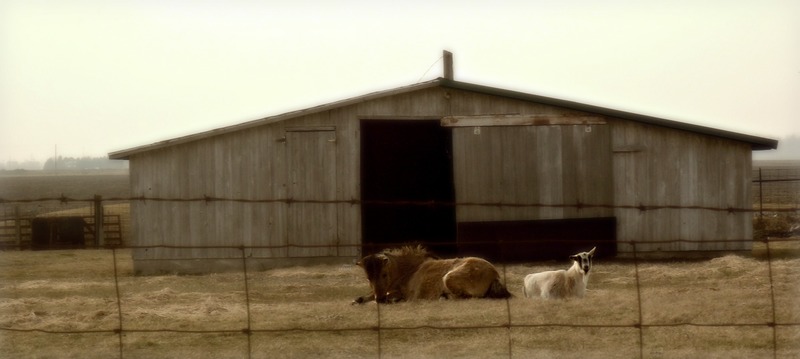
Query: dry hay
(306, 312)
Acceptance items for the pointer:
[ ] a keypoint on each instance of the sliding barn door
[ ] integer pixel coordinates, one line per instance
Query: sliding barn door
(545, 191)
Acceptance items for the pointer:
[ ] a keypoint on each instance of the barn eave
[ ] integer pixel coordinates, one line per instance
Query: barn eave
(756, 143)
(125, 154)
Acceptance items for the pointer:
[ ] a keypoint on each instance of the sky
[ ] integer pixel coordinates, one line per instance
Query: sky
(88, 77)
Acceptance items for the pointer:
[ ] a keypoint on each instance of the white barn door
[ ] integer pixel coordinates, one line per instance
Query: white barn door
(311, 163)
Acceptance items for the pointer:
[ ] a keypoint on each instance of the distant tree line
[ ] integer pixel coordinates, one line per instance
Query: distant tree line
(28, 165)
(65, 163)
(83, 163)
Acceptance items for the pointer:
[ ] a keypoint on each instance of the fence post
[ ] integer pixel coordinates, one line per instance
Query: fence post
(18, 226)
(99, 239)
(760, 195)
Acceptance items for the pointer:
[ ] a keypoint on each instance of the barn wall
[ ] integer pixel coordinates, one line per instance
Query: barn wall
(245, 165)
(311, 157)
(540, 164)
(551, 165)
(663, 167)
(550, 170)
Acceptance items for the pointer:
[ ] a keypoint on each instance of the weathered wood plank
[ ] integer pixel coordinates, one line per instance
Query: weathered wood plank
(521, 120)
(683, 169)
(311, 157)
(537, 165)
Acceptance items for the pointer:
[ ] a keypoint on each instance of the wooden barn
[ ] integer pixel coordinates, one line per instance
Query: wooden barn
(464, 168)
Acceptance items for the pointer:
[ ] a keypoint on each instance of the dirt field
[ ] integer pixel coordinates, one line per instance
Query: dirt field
(306, 312)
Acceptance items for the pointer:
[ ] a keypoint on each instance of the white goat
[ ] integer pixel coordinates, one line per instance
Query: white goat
(561, 284)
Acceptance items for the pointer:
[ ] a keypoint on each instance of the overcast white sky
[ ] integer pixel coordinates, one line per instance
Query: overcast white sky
(96, 76)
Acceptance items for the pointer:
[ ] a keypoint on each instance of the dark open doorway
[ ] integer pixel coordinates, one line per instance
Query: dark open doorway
(405, 163)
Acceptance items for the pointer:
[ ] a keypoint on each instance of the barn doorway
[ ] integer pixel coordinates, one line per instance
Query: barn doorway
(405, 164)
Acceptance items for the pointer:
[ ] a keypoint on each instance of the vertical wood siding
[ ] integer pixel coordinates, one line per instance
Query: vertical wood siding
(550, 166)
(622, 163)
(676, 168)
(311, 163)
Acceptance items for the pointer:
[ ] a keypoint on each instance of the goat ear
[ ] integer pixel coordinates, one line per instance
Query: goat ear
(575, 258)
(591, 252)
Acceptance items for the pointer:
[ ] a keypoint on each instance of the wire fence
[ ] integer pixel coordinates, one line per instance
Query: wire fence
(106, 220)
(775, 193)
(775, 188)
(785, 203)
(380, 328)
(105, 223)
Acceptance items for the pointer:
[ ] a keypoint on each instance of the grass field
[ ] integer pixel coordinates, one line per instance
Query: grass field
(39, 184)
(304, 312)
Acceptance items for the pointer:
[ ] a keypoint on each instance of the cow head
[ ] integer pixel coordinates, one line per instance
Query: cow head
(378, 269)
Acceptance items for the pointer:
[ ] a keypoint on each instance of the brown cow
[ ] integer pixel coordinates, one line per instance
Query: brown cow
(413, 273)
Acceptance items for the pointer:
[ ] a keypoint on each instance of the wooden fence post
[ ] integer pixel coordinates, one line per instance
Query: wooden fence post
(99, 239)
(18, 225)
(760, 195)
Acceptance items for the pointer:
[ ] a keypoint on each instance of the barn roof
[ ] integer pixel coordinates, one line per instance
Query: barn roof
(757, 143)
